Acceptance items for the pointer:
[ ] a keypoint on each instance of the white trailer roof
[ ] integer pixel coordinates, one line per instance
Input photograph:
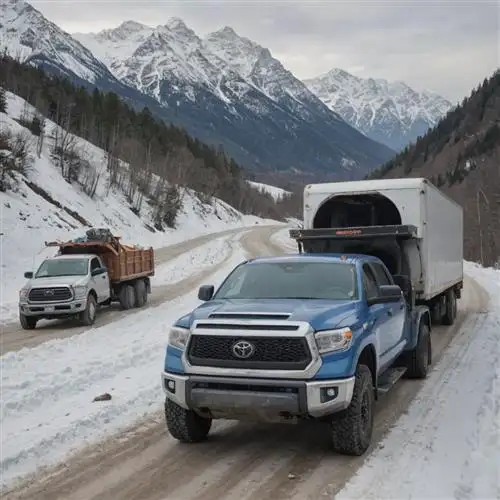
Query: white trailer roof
(367, 185)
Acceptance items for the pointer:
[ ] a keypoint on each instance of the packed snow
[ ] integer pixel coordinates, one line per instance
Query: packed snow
(448, 443)
(47, 391)
(24, 212)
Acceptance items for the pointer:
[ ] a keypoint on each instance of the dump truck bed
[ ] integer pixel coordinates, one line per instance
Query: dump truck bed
(124, 262)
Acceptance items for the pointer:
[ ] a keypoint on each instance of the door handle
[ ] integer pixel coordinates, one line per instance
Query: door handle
(389, 312)
(103, 277)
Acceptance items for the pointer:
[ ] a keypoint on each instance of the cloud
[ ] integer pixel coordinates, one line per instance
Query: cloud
(446, 46)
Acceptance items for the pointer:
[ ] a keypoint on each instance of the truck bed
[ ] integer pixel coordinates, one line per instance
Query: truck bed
(124, 262)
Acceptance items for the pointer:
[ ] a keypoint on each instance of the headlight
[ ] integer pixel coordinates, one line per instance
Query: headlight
(334, 340)
(178, 337)
(80, 291)
(23, 293)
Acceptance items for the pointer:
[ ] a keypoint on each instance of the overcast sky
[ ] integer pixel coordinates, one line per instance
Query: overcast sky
(446, 46)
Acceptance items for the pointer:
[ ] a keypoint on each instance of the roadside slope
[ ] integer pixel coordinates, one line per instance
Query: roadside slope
(240, 460)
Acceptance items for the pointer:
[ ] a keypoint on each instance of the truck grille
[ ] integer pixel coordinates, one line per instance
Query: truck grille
(255, 352)
(50, 294)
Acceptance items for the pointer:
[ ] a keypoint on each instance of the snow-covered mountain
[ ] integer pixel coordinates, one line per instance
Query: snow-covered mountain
(224, 89)
(224, 86)
(389, 112)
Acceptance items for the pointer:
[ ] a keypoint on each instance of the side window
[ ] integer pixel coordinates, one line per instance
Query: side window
(381, 274)
(94, 264)
(369, 282)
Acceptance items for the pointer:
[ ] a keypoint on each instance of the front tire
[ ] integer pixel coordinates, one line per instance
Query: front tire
(186, 425)
(88, 316)
(27, 322)
(351, 431)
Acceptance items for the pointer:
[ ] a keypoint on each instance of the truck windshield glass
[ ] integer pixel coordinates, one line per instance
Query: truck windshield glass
(291, 280)
(62, 267)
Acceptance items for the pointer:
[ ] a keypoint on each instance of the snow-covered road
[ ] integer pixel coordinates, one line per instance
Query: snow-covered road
(260, 461)
(47, 391)
(177, 268)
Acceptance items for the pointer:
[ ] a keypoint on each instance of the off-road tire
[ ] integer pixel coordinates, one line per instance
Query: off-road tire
(27, 322)
(127, 296)
(88, 316)
(451, 308)
(351, 430)
(186, 425)
(419, 360)
(141, 293)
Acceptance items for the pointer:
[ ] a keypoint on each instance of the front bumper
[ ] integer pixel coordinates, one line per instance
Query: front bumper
(52, 309)
(228, 396)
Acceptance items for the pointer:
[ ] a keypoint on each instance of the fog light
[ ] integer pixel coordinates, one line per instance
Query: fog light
(328, 394)
(170, 385)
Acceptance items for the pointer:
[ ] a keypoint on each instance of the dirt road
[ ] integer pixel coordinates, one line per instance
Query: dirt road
(243, 461)
(13, 337)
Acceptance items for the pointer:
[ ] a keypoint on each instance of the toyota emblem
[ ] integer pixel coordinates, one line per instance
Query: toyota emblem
(243, 349)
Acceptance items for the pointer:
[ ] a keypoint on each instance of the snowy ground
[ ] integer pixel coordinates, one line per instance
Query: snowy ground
(47, 391)
(447, 446)
(27, 219)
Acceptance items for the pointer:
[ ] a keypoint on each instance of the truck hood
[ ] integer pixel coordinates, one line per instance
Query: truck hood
(320, 314)
(56, 280)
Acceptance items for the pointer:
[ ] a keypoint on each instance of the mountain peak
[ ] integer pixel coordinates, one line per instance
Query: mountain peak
(177, 24)
(389, 112)
(131, 26)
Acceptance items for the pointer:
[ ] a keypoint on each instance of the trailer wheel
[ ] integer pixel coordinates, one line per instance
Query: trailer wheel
(141, 293)
(420, 358)
(27, 322)
(451, 308)
(127, 296)
(186, 425)
(351, 430)
(87, 317)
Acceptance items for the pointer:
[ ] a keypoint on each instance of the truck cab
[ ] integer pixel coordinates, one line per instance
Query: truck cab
(303, 336)
(63, 286)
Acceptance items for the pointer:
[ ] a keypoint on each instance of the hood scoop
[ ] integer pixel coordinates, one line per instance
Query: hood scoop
(261, 316)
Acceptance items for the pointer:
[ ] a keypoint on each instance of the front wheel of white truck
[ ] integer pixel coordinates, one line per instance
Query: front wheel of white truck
(186, 425)
(352, 429)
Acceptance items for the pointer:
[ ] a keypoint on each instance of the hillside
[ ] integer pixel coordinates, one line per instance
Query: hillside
(391, 113)
(222, 88)
(461, 155)
(38, 203)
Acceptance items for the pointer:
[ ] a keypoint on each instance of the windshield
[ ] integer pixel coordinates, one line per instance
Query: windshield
(291, 280)
(62, 267)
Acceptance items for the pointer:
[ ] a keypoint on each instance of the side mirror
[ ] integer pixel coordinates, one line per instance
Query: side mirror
(206, 292)
(403, 282)
(28, 275)
(386, 294)
(98, 271)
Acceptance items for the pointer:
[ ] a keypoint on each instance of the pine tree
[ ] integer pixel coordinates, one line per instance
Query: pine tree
(3, 100)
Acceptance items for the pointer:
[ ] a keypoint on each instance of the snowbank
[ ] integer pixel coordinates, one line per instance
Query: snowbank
(28, 219)
(448, 443)
(47, 391)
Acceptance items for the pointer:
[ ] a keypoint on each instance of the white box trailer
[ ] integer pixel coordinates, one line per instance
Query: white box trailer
(411, 225)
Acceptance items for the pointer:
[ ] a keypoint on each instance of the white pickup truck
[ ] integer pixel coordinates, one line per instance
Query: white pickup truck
(83, 276)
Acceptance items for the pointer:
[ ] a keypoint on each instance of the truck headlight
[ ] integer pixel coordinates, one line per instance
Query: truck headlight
(80, 291)
(334, 340)
(23, 293)
(178, 337)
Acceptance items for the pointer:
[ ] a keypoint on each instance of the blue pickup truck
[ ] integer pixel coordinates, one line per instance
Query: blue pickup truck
(302, 336)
